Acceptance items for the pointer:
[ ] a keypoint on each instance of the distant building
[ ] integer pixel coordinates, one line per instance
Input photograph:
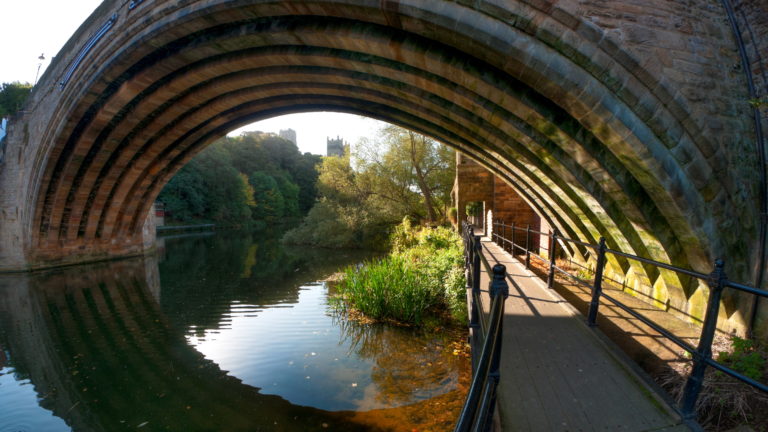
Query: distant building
(290, 135)
(335, 147)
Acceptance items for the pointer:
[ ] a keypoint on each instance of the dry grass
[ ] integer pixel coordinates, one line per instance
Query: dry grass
(724, 402)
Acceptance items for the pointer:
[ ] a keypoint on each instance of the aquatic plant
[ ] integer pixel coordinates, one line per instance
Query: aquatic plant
(423, 270)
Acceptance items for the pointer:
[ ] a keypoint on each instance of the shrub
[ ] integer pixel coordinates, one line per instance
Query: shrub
(424, 268)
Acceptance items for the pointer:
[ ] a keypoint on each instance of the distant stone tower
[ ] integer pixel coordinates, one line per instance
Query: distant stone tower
(290, 135)
(335, 147)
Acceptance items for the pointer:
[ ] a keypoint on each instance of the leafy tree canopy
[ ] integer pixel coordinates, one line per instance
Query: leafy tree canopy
(239, 180)
(12, 97)
(396, 174)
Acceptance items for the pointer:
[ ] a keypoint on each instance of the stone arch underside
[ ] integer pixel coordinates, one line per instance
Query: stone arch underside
(598, 149)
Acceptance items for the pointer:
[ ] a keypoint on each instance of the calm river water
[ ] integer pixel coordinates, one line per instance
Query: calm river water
(228, 331)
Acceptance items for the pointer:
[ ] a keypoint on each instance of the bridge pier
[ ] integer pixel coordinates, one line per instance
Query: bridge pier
(18, 249)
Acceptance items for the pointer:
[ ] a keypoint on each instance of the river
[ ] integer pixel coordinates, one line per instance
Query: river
(230, 330)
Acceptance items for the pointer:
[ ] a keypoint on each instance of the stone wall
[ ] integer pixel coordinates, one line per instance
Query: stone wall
(509, 207)
(12, 211)
(752, 20)
(15, 253)
(474, 183)
(501, 202)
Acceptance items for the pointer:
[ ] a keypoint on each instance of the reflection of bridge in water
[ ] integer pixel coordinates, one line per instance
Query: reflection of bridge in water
(107, 327)
(101, 352)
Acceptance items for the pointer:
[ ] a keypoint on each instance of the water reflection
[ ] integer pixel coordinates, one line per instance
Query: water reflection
(407, 366)
(199, 340)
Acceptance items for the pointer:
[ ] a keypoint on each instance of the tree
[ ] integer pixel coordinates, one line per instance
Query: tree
(184, 194)
(12, 97)
(409, 169)
(269, 201)
(398, 173)
(215, 183)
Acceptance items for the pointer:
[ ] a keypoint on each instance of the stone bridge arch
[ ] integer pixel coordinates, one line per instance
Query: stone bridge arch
(629, 122)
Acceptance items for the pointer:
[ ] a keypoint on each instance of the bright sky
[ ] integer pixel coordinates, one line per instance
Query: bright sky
(33, 27)
(55, 21)
(312, 129)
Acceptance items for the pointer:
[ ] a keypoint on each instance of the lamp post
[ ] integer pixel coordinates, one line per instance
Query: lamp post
(41, 58)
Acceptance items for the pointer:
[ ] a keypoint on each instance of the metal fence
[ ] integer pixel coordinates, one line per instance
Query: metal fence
(717, 281)
(477, 414)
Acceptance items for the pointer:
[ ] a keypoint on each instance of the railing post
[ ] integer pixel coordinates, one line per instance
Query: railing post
(497, 286)
(474, 312)
(465, 235)
(598, 287)
(512, 248)
(503, 235)
(552, 250)
(528, 247)
(716, 281)
(478, 249)
(470, 236)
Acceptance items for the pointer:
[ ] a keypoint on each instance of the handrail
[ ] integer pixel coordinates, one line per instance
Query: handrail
(477, 414)
(87, 47)
(701, 354)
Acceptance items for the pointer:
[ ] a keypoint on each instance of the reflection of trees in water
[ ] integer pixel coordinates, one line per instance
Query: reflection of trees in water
(102, 355)
(409, 366)
(201, 276)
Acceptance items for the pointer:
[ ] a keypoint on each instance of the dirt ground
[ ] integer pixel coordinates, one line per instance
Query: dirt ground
(660, 358)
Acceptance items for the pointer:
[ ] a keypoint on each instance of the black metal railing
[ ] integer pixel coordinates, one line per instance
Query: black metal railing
(477, 414)
(716, 280)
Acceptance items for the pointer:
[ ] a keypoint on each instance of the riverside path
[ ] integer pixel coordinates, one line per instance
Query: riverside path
(556, 373)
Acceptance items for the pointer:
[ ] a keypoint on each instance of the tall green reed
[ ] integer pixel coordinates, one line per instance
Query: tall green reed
(389, 288)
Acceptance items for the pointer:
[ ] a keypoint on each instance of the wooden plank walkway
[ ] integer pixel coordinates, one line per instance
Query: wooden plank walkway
(556, 375)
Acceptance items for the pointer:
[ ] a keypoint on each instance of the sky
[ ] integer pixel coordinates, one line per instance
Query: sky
(54, 21)
(312, 129)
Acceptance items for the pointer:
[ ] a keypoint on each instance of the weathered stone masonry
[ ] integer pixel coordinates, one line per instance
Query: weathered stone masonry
(609, 118)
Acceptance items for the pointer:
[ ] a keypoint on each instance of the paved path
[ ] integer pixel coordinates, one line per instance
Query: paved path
(555, 374)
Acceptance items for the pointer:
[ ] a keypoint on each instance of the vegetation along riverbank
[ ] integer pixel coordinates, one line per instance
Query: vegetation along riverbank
(421, 279)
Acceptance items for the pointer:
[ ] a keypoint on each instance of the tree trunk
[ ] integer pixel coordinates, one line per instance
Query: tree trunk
(420, 177)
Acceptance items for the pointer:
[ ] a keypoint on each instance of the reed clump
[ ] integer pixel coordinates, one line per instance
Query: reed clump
(423, 270)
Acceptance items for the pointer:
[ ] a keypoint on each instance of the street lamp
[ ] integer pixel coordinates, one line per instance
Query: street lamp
(41, 58)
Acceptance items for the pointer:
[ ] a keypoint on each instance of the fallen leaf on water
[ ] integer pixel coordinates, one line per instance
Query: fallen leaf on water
(141, 425)
(325, 424)
(354, 384)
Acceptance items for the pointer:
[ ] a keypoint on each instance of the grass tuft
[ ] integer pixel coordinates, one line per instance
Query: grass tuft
(423, 270)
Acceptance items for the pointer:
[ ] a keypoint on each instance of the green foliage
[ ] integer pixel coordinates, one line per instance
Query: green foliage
(474, 208)
(244, 181)
(424, 269)
(398, 174)
(404, 237)
(12, 97)
(269, 201)
(744, 358)
(390, 288)
(330, 224)
(759, 103)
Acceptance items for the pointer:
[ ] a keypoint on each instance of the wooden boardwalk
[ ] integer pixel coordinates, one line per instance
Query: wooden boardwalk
(556, 374)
